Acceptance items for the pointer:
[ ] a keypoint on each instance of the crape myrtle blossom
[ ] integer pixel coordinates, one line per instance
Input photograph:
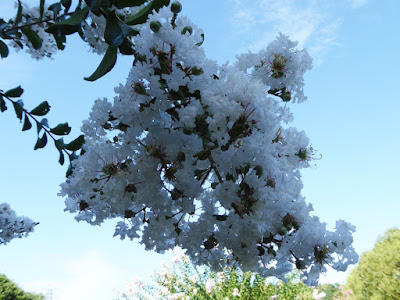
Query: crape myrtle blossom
(200, 156)
(48, 45)
(13, 226)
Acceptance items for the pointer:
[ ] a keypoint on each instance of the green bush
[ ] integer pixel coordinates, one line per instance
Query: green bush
(10, 291)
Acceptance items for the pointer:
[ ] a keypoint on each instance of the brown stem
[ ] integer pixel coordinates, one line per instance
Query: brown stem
(215, 169)
(30, 24)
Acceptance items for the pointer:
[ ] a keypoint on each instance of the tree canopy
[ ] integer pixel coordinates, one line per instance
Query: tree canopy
(377, 276)
(10, 291)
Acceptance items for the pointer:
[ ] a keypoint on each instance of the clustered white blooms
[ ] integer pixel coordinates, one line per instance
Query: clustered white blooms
(48, 46)
(200, 156)
(12, 226)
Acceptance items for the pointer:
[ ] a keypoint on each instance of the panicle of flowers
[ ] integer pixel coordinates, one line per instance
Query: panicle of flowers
(12, 226)
(195, 155)
(47, 46)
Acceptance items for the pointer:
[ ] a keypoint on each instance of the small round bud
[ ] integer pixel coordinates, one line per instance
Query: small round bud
(187, 29)
(176, 7)
(155, 26)
(283, 231)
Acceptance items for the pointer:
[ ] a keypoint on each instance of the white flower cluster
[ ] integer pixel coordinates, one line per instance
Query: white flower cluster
(49, 45)
(12, 226)
(197, 155)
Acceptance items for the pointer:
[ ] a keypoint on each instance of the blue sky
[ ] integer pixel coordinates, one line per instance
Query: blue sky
(350, 118)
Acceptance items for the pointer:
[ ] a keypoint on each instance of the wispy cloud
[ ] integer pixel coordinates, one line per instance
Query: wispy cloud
(313, 23)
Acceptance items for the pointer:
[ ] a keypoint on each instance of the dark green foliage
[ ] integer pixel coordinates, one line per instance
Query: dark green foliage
(128, 3)
(76, 144)
(41, 142)
(3, 49)
(33, 37)
(61, 129)
(14, 93)
(143, 14)
(10, 291)
(70, 25)
(377, 275)
(107, 63)
(41, 110)
(116, 30)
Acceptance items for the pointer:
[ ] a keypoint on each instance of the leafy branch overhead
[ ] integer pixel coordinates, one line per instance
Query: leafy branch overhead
(29, 28)
(44, 131)
(58, 21)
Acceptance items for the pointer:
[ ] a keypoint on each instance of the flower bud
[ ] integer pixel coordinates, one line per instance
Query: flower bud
(283, 231)
(176, 7)
(155, 26)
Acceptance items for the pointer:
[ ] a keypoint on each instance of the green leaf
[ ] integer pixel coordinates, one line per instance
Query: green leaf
(142, 15)
(41, 9)
(42, 123)
(15, 92)
(126, 48)
(41, 110)
(18, 18)
(33, 37)
(200, 43)
(76, 144)
(61, 129)
(60, 40)
(70, 25)
(116, 30)
(59, 144)
(61, 159)
(18, 110)
(27, 124)
(106, 64)
(41, 142)
(128, 3)
(3, 49)
(3, 106)
(55, 8)
(202, 155)
(66, 4)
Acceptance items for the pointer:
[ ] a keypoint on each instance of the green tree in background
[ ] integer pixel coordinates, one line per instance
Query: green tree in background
(377, 276)
(10, 291)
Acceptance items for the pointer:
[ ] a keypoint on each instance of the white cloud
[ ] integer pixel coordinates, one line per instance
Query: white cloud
(312, 23)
